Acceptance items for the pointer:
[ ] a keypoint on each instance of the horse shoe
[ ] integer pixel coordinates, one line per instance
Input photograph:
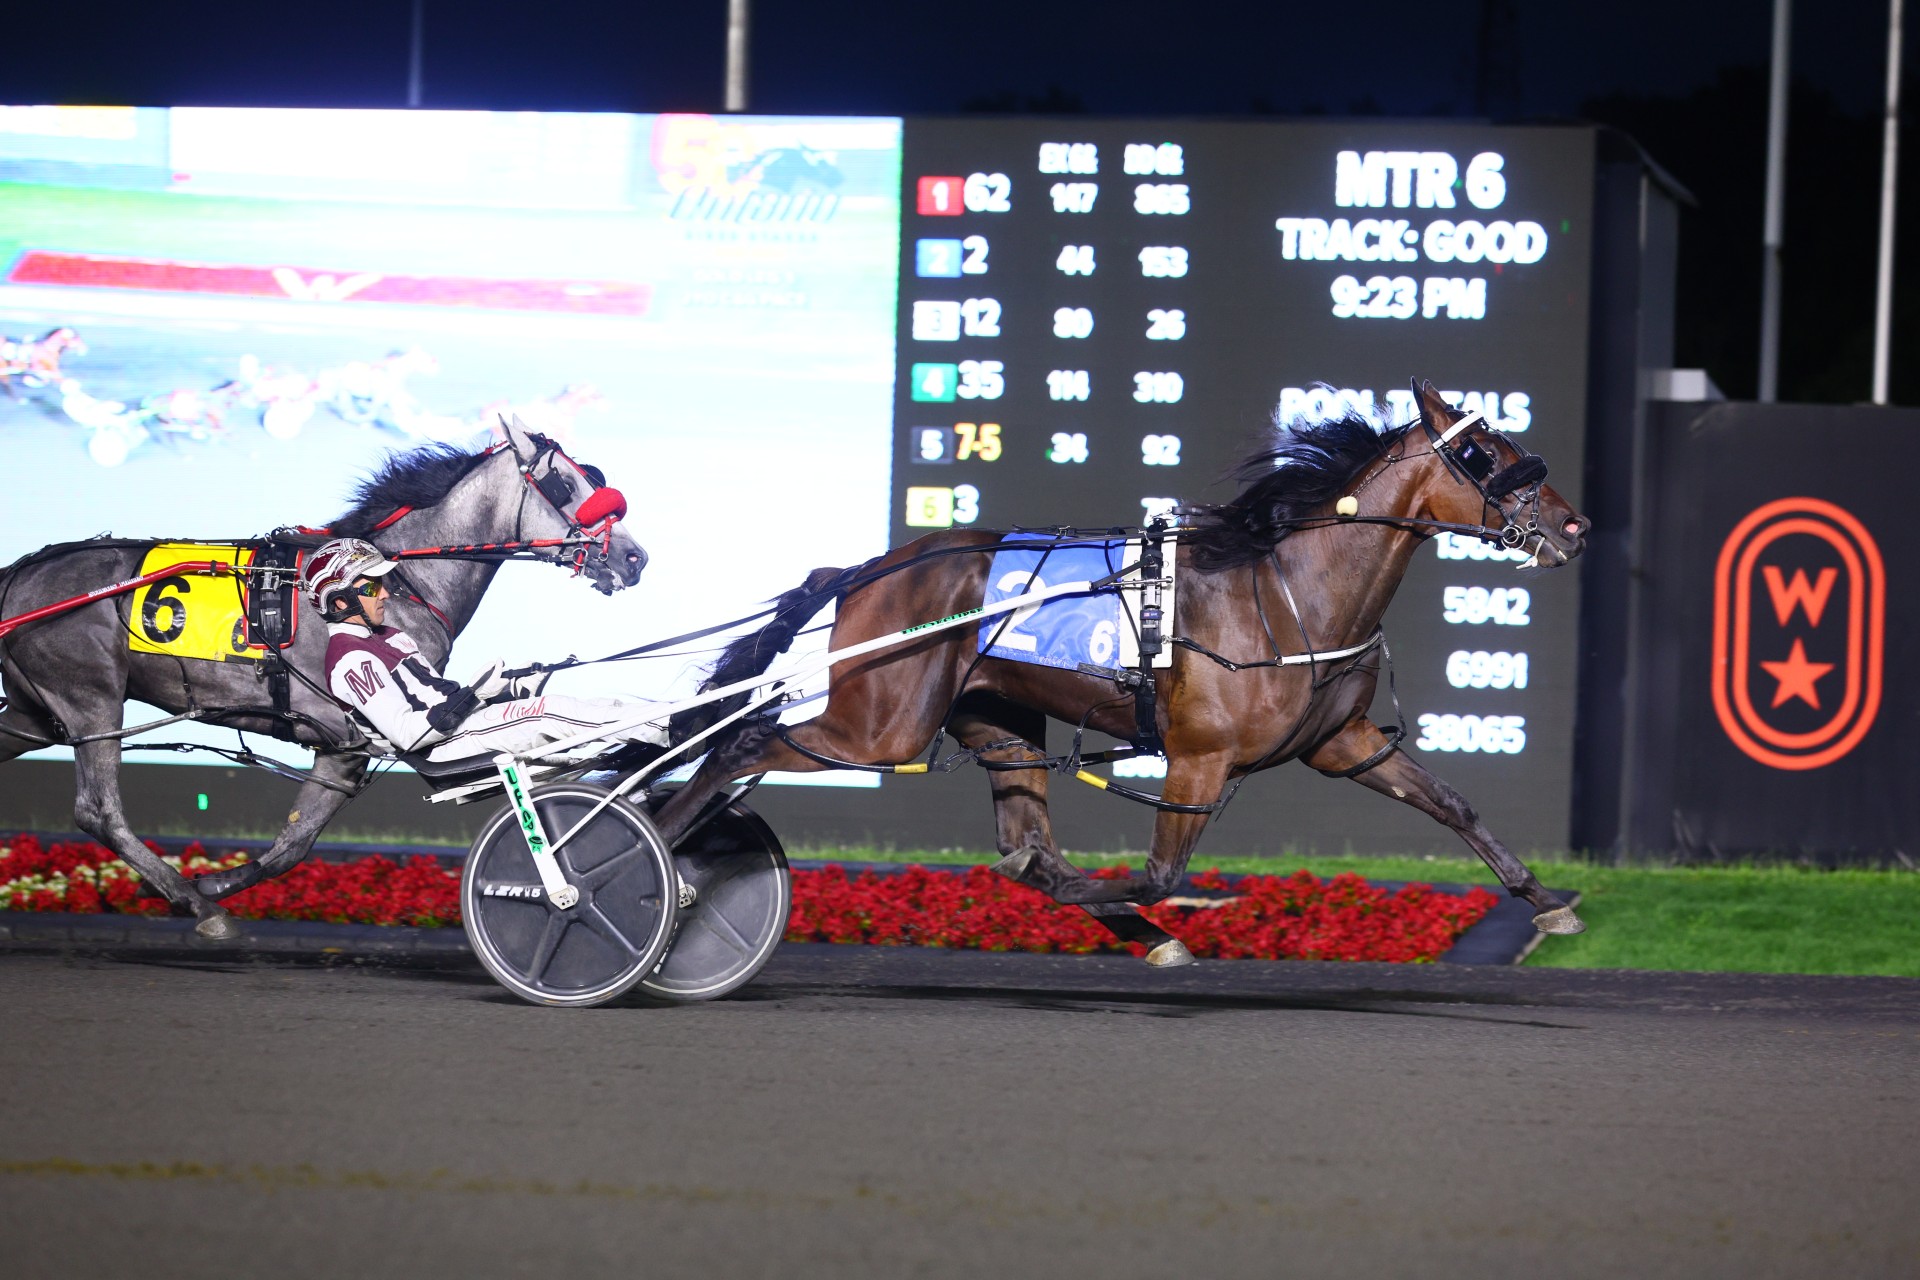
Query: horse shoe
(1169, 955)
(220, 927)
(1560, 920)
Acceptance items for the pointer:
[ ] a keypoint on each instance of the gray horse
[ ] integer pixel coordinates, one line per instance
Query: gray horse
(66, 677)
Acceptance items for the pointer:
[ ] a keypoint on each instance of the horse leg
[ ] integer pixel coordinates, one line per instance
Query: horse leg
(1191, 779)
(313, 807)
(752, 749)
(1024, 828)
(866, 722)
(97, 811)
(1406, 780)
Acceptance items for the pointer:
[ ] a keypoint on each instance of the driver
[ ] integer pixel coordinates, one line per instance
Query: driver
(378, 673)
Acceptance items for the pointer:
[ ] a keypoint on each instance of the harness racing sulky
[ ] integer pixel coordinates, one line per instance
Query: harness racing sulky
(1228, 639)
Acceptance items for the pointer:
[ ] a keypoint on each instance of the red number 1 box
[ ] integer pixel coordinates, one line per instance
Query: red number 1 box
(941, 197)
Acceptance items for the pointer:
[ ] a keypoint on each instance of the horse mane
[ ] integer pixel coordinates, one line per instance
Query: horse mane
(1306, 466)
(416, 478)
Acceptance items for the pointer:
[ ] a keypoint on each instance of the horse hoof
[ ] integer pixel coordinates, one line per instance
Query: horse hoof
(1015, 864)
(219, 927)
(1170, 955)
(1559, 920)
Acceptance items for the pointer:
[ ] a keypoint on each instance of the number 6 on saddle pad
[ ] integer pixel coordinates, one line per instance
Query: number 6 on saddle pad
(198, 615)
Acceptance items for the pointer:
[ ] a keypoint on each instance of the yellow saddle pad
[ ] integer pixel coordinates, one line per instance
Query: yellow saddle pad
(190, 615)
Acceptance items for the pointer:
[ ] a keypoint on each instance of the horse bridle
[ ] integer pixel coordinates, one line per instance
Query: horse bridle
(591, 519)
(589, 524)
(1472, 462)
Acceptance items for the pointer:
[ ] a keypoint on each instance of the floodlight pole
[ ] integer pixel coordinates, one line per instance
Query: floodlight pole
(1775, 235)
(416, 57)
(737, 24)
(1883, 300)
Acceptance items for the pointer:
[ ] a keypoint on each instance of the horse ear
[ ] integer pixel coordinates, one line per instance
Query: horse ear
(1433, 407)
(518, 436)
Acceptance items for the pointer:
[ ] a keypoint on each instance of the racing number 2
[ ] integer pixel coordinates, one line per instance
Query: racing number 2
(156, 599)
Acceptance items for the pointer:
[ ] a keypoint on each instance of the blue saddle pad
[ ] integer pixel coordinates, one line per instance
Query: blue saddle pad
(1063, 632)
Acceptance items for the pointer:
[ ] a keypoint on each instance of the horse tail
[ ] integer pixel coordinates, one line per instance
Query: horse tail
(754, 652)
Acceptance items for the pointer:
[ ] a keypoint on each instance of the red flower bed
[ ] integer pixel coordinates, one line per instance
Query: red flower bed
(83, 876)
(1295, 917)
(1299, 916)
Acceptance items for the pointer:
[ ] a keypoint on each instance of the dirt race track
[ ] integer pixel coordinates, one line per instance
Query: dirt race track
(909, 1113)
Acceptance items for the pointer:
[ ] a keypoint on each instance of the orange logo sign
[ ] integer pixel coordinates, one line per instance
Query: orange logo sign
(1797, 663)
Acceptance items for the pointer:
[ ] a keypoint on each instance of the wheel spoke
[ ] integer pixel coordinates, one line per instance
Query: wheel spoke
(606, 872)
(596, 920)
(543, 952)
(708, 869)
(723, 928)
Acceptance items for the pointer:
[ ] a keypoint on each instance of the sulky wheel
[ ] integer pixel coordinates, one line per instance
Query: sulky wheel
(733, 908)
(596, 949)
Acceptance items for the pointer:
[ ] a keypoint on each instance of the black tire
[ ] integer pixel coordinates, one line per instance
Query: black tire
(608, 941)
(742, 895)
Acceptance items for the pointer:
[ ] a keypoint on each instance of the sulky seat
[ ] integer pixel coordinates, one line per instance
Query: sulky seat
(448, 773)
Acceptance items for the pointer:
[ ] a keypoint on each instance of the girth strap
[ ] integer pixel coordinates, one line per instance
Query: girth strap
(1146, 708)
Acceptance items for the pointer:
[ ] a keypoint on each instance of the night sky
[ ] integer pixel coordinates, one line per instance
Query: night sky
(1397, 57)
(1685, 77)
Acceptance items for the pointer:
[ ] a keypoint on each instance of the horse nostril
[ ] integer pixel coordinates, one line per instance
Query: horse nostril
(1574, 527)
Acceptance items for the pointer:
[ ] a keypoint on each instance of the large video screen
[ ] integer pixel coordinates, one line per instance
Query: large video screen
(263, 303)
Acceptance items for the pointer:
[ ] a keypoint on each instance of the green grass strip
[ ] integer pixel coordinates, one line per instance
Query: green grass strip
(1735, 919)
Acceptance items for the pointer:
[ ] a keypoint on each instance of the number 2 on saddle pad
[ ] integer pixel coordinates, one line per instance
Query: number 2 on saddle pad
(1097, 629)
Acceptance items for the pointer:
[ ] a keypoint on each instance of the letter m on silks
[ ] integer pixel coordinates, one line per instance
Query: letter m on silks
(365, 681)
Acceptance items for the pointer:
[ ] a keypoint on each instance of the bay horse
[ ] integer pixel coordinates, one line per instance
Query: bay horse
(1303, 561)
(66, 677)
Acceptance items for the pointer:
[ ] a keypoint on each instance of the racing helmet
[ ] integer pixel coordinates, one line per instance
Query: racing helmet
(330, 572)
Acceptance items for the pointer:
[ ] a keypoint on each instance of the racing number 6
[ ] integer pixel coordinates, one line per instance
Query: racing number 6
(176, 606)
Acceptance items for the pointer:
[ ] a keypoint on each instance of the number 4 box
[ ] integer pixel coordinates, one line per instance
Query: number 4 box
(934, 382)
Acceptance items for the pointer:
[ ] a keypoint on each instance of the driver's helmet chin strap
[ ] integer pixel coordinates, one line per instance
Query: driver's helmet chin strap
(355, 612)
